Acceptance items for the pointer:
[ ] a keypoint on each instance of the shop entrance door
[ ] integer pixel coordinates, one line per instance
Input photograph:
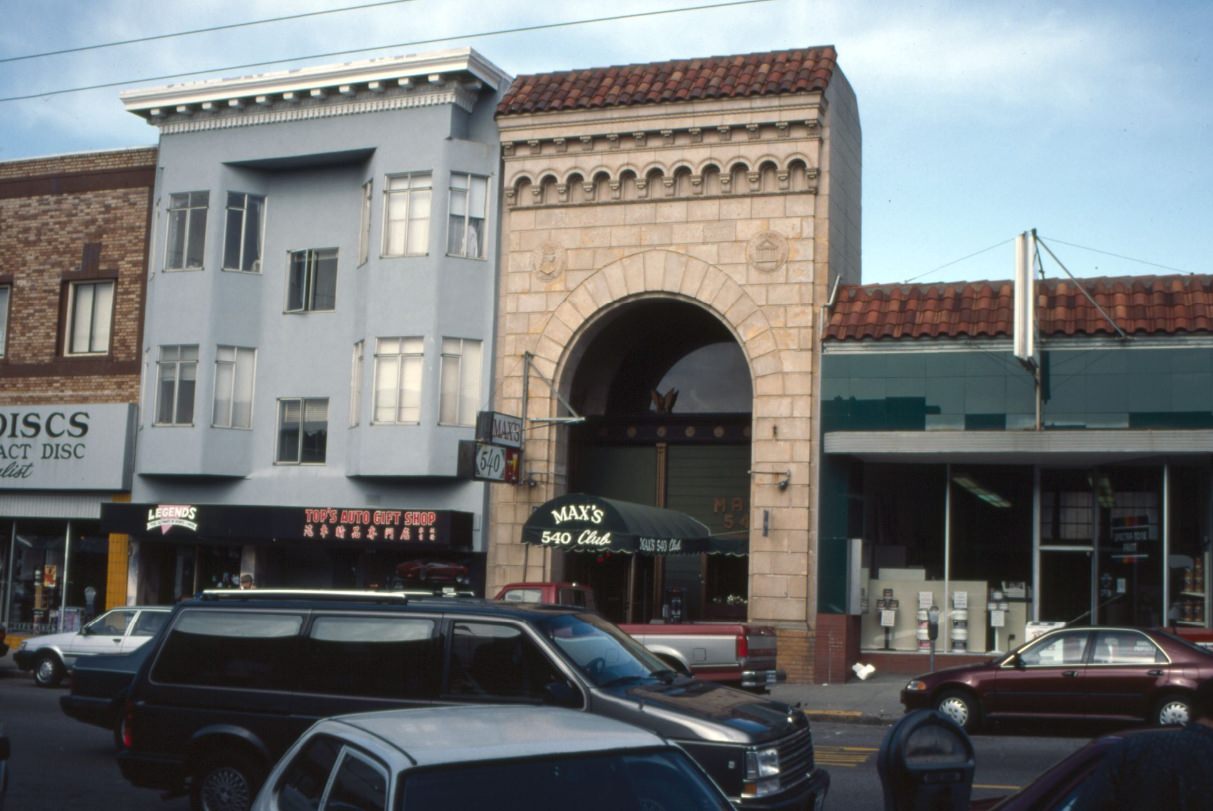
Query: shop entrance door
(1065, 584)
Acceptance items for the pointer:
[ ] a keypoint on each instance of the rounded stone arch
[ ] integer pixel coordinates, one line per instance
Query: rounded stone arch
(798, 157)
(655, 274)
(653, 167)
(709, 163)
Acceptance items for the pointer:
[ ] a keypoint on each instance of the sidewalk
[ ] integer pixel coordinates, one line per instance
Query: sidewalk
(875, 701)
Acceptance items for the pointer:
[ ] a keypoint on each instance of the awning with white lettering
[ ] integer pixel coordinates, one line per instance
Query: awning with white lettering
(578, 522)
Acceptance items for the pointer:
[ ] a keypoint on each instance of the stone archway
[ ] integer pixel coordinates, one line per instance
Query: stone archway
(778, 352)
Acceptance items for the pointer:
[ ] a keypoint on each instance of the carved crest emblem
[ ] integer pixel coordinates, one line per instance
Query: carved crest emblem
(767, 251)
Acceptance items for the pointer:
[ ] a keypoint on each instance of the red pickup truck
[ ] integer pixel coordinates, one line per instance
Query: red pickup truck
(735, 653)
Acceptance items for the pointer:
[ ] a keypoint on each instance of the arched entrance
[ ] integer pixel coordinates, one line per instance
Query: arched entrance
(666, 394)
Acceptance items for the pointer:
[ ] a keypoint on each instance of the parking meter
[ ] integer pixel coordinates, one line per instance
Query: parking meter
(926, 763)
(933, 623)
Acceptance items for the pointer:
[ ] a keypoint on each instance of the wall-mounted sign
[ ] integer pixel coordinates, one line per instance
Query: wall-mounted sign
(489, 463)
(499, 429)
(86, 446)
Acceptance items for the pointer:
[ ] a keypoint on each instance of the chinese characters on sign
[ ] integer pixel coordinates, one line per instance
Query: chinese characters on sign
(371, 525)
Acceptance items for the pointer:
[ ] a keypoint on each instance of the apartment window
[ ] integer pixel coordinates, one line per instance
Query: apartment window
(5, 294)
(242, 239)
(356, 384)
(364, 230)
(469, 201)
(312, 283)
(406, 214)
(460, 381)
(398, 367)
(303, 429)
(234, 369)
(176, 379)
(186, 230)
(90, 312)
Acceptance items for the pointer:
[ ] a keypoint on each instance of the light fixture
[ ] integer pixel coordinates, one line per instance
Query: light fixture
(988, 496)
(782, 484)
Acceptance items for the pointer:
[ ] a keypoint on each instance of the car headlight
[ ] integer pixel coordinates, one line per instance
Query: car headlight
(761, 772)
(916, 686)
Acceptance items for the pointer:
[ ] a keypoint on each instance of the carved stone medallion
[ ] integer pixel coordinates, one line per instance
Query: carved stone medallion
(549, 261)
(767, 251)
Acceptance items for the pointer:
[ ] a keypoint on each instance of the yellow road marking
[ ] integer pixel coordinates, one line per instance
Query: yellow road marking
(845, 756)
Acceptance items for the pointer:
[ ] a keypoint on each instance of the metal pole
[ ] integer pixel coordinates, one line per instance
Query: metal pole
(67, 551)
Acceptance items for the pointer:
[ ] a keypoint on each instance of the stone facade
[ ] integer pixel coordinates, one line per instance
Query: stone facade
(745, 206)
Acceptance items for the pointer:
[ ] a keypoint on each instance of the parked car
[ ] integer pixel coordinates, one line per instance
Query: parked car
(51, 656)
(738, 653)
(3, 640)
(99, 685)
(485, 757)
(1097, 673)
(237, 676)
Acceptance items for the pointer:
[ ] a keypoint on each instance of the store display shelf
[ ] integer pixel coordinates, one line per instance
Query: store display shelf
(1200, 594)
(1188, 622)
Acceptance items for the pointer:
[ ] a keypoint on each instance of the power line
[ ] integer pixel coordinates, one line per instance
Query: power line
(1118, 256)
(193, 31)
(499, 32)
(948, 264)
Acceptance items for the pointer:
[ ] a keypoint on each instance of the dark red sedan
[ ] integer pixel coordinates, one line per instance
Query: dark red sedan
(1097, 673)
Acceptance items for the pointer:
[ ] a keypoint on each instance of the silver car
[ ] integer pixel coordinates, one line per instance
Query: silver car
(119, 630)
(468, 757)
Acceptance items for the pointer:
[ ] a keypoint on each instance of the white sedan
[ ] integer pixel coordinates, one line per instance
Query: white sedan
(119, 630)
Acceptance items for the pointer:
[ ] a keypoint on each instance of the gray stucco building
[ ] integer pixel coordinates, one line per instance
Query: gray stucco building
(319, 321)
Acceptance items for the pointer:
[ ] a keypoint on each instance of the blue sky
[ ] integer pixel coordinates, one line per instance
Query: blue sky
(1089, 121)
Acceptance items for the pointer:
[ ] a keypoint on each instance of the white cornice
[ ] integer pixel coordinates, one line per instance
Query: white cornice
(455, 70)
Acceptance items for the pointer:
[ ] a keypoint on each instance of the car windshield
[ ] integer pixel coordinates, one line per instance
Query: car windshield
(599, 782)
(605, 654)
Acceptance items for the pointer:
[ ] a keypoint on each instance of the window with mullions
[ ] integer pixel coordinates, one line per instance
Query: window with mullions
(5, 294)
(398, 368)
(406, 214)
(176, 379)
(186, 230)
(312, 281)
(460, 381)
(469, 202)
(303, 427)
(242, 240)
(90, 312)
(234, 369)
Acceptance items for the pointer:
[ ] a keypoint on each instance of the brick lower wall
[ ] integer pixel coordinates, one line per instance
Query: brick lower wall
(795, 654)
(837, 648)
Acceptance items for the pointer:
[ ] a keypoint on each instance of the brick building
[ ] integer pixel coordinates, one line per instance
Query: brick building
(73, 233)
(670, 233)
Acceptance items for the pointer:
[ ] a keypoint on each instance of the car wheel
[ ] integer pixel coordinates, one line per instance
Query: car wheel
(48, 670)
(961, 707)
(1173, 710)
(225, 783)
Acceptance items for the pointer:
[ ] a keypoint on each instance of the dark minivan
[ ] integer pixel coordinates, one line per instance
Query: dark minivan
(239, 675)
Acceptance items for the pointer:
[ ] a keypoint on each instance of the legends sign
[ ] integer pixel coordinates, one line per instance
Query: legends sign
(84, 446)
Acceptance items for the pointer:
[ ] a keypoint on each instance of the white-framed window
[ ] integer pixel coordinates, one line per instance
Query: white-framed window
(312, 280)
(356, 383)
(468, 208)
(186, 230)
(235, 367)
(460, 395)
(406, 214)
(364, 228)
(398, 370)
(6, 293)
(176, 379)
(303, 429)
(242, 238)
(90, 314)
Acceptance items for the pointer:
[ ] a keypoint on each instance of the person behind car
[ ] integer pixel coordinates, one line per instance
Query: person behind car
(1171, 770)
(246, 581)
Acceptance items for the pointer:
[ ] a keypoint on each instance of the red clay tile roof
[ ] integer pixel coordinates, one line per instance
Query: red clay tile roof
(1140, 305)
(798, 71)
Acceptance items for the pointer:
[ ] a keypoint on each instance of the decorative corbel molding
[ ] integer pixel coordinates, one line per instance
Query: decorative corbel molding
(696, 135)
(668, 182)
(535, 146)
(562, 192)
(589, 189)
(696, 184)
(507, 149)
(753, 131)
(561, 145)
(587, 142)
(725, 132)
(642, 187)
(755, 179)
(639, 138)
(667, 137)
(783, 129)
(783, 175)
(613, 140)
(615, 189)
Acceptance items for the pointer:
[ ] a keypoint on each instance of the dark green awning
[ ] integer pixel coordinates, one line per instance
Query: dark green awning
(577, 522)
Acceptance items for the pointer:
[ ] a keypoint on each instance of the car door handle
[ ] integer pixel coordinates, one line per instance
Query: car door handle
(1153, 672)
(1069, 674)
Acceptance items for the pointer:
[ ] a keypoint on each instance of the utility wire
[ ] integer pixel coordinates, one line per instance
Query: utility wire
(330, 54)
(941, 267)
(1118, 256)
(193, 31)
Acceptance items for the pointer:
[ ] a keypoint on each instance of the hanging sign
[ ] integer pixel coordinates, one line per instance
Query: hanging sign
(489, 463)
(494, 428)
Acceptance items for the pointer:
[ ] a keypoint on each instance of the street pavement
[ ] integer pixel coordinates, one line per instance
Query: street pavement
(875, 700)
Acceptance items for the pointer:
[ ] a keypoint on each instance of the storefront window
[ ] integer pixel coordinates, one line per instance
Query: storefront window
(36, 577)
(1189, 560)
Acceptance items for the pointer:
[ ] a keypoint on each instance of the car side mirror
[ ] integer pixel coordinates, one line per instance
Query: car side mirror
(86, 631)
(561, 694)
(675, 664)
(1014, 661)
